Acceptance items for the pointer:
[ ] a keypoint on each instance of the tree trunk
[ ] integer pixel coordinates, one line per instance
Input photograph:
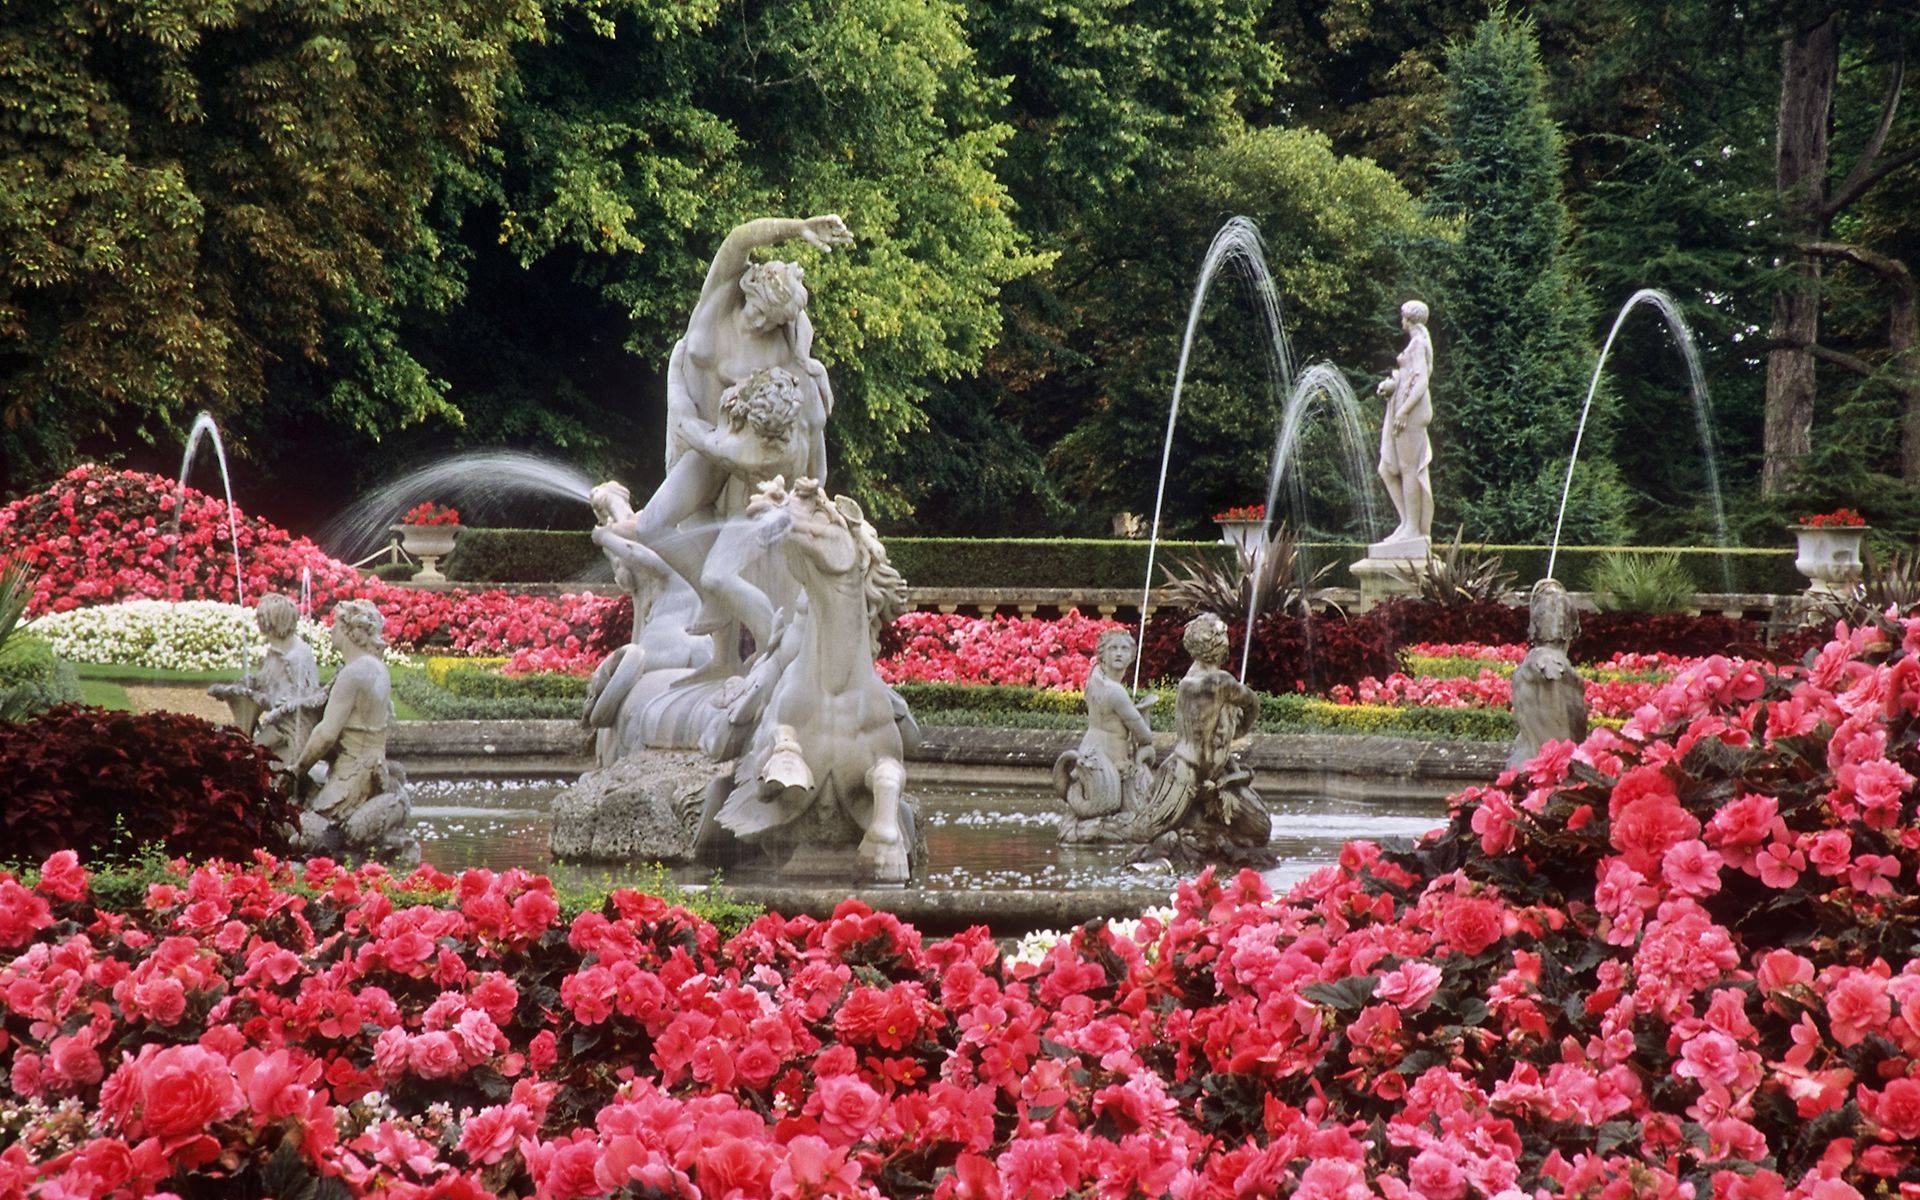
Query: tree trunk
(1809, 61)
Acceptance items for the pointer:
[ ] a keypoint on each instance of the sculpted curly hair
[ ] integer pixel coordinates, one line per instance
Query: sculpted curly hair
(365, 626)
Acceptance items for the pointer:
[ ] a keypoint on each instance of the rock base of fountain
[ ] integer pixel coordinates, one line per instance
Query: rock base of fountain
(643, 808)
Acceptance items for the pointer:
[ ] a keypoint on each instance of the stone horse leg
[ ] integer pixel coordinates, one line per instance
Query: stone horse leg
(884, 848)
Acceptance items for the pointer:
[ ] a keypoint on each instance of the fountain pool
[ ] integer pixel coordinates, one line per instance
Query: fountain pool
(983, 845)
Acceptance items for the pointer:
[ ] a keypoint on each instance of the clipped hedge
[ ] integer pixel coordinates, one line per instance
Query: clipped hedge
(33, 677)
(545, 555)
(1033, 708)
(434, 702)
(521, 556)
(480, 683)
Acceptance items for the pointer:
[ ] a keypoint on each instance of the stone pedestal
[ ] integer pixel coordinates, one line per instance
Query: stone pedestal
(641, 809)
(1389, 568)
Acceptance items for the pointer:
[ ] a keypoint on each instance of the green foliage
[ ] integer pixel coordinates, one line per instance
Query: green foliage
(643, 130)
(1276, 578)
(966, 562)
(33, 678)
(197, 197)
(1339, 231)
(1512, 316)
(1458, 577)
(522, 555)
(1651, 583)
(503, 699)
(479, 683)
(1033, 708)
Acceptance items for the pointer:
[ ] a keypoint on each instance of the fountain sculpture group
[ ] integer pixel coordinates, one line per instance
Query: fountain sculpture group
(1199, 806)
(745, 720)
(329, 742)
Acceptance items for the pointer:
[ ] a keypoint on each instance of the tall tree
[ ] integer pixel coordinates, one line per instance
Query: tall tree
(1511, 318)
(1812, 200)
(197, 193)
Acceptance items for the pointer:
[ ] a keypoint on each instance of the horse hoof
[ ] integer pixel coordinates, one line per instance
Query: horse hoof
(885, 858)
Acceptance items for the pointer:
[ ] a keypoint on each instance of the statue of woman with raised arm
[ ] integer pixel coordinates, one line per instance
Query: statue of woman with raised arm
(751, 317)
(1405, 451)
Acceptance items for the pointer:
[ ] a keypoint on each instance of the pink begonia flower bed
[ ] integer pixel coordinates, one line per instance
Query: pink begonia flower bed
(100, 535)
(1676, 961)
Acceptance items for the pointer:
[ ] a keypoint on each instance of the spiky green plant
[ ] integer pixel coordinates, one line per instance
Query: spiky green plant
(1458, 577)
(1277, 570)
(1653, 583)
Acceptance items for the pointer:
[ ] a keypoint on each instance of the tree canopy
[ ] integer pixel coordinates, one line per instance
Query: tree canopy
(404, 229)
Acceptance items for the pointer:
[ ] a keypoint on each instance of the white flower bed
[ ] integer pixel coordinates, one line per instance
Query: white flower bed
(187, 635)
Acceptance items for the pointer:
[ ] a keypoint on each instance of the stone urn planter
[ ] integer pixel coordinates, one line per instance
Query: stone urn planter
(1240, 527)
(1829, 555)
(429, 544)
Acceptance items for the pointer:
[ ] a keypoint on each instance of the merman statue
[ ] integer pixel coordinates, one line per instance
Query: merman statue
(1202, 806)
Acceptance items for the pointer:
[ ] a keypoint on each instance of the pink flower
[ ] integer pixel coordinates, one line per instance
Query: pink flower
(1709, 1057)
(1410, 986)
(491, 1134)
(1895, 1109)
(848, 1108)
(172, 1092)
(1435, 1176)
(1691, 869)
(1858, 1005)
(62, 876)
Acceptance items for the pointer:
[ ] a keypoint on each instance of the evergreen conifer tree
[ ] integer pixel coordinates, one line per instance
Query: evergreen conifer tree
(1512, 322)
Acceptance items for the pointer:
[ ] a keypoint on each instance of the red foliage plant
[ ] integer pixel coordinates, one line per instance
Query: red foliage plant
(1287, 657)
(92, 780)
(1242, 512)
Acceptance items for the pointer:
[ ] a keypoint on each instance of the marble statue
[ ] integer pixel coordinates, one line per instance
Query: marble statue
(1405, 451)
(1393, 564)
(745, 721)
(286, 675)
(746, 401)
(1549, 697)
(1104, 780)
(1201, 805)
(760, 437)
(360, 804)
(822, 743)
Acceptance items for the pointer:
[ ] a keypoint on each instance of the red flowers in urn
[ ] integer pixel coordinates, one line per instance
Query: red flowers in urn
(429, 513)
(1839, 518)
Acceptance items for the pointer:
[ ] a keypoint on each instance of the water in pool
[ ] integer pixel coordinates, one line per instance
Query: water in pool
(977, 839)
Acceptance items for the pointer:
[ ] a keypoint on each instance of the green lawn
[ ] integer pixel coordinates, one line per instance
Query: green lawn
(104, 693)
(104, 684)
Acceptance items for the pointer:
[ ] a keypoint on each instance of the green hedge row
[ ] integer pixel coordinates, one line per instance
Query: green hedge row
(522, 555)
(479, 683)
(1034, 708)
(534, 555)
(435, 703)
